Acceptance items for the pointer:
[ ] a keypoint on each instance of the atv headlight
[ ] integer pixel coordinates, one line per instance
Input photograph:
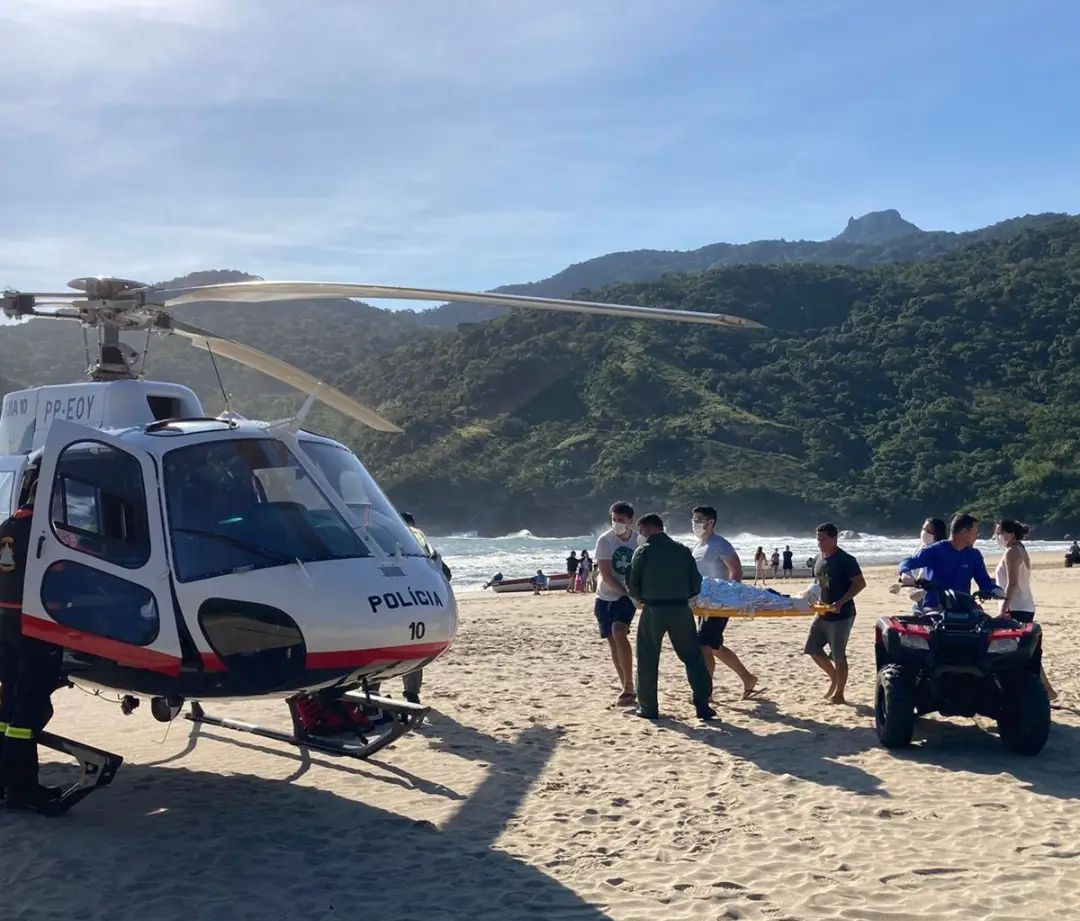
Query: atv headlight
(912, 641)
(1004, 644)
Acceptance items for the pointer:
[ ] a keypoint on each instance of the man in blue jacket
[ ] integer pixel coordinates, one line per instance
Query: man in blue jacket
(952, 563)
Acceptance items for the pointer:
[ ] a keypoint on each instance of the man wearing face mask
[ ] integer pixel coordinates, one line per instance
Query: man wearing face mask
(717, 559)
(613, 607)
(952, 563)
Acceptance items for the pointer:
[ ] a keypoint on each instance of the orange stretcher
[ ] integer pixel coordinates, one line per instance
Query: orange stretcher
(815, 609)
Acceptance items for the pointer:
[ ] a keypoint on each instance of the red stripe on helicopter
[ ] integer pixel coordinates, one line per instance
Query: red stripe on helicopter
(121, 653)
(353, 658)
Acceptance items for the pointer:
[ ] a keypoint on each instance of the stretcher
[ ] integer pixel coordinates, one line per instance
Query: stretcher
(745, 614)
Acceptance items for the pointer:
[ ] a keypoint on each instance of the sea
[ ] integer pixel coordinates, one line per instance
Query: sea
(474, 560)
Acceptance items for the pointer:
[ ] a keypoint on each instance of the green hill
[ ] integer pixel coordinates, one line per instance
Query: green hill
(877, 238)
(876, 395)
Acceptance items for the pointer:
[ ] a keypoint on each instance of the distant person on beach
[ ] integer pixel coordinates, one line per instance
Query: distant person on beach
(717, 559)
(759, 565)
(613, 607)
(774, 560)
(539, 582)
(789, 562)
(571, 570)
(810, 564)
(841, 579)
(663, 578)
(584, 569)
(1014, 576)
(594, 571)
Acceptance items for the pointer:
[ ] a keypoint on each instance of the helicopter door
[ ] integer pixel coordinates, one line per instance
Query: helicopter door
(11, 471)
(97, 574)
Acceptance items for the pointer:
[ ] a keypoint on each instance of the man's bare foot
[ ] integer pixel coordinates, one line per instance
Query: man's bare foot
(829, 693)
(627, 699)
(837, 699)
(748, 687)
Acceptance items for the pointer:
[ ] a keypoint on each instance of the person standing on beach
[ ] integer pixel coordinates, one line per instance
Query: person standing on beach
(838, 574)
(759, 565)
(789, 562)
(663, 578)
(1014, 576)
(571, 570)
(613, 608)
(717, 559)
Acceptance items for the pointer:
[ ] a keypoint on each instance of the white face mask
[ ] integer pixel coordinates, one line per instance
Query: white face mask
(1003, 540)
(698, 527)
(621, 528)
(927, 538)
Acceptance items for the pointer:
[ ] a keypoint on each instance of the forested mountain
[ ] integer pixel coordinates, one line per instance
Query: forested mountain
(876, 238)
(875, 396)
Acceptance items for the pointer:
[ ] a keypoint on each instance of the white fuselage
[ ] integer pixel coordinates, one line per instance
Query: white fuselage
(212, 558)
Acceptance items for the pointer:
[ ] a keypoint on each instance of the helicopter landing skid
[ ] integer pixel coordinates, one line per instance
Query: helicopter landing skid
(396, 717)
(98, 769)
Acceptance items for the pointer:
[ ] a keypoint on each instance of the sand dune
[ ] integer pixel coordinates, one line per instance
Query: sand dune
(530, 796)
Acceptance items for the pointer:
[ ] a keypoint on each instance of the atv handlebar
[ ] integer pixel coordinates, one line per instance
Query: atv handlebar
(931, 585)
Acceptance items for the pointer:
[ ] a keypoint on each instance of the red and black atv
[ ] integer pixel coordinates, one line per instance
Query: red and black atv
(959, 661)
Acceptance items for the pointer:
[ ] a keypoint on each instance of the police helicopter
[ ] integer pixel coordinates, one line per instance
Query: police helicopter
(181, 558)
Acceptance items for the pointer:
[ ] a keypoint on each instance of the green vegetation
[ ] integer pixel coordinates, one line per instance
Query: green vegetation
(875, 397)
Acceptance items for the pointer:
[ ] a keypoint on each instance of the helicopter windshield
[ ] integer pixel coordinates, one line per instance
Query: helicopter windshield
(350, 480)
(246, 503)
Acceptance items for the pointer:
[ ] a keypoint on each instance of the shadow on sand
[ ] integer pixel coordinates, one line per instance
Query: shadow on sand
(961, 745)
(171, 843)
(807, 750)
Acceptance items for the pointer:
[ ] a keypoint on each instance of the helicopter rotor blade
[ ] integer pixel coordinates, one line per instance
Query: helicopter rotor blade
(255, 291)
(282, 371)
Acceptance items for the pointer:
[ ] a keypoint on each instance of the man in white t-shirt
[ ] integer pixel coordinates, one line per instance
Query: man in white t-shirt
(717, 559)
(614, 609)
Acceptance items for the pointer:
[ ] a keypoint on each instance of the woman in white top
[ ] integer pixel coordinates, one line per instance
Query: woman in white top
(1014, 576)
(759, 565)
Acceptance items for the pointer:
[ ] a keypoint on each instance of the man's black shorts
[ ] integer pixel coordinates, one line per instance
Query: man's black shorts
(610, 612)
(711, 632)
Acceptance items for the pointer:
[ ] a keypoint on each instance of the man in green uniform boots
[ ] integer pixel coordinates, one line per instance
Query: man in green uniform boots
(663, 578)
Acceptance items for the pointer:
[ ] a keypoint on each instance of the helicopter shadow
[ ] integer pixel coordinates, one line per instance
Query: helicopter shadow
(808, 749)
(175, 843)
(966, 746)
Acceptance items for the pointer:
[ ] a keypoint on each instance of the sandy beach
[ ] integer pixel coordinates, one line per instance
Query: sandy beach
(530, 796)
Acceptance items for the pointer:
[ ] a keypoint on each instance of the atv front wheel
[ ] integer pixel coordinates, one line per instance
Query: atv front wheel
(894, 707)
(1024, 722)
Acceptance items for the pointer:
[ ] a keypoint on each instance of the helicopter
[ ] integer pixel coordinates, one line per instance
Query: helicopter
(181, 558)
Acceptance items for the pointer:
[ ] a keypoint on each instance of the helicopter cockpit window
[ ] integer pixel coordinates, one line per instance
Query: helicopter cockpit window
(99, 506)
(351, 481)
(247, 503)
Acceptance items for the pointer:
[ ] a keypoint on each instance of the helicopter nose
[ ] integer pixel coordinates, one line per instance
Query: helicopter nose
(399, 617)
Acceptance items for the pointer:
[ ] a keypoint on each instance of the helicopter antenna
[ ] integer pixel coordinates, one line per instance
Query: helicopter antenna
(224, 394)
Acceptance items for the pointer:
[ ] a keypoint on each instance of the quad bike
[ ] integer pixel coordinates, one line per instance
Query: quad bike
(959, 661)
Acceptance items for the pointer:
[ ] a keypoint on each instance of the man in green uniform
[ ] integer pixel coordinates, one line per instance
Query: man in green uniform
(663, 578)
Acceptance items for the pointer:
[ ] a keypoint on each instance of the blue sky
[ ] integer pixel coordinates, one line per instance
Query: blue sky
(484, 142)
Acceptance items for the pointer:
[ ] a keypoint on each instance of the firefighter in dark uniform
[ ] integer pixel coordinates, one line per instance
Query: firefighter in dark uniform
(29, 671)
